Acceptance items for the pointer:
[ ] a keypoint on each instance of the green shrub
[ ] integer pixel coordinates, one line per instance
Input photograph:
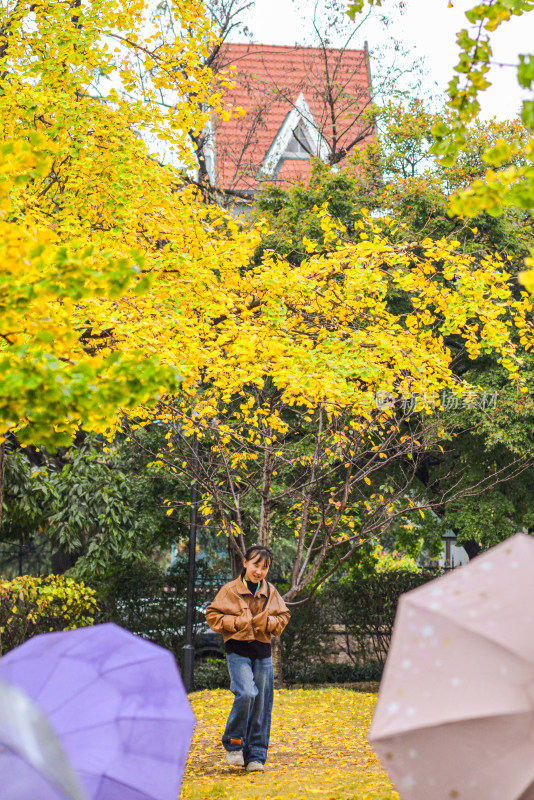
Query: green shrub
(308, 637)
(212, 674)
(366, 606)
(134, 594)
(151, 602)
(323, 672)
(29, 606)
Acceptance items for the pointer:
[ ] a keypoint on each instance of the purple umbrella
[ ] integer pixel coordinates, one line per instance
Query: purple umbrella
(117, 705)
(32, 762)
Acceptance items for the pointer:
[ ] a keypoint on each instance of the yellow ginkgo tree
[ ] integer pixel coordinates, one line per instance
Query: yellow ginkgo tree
(121, 290)
(509, 180)
(94, 228)
(316, 401)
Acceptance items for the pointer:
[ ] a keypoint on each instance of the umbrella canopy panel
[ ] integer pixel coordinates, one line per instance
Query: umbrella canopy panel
(117, 704)
(20, 781)
(455, 714)
(32, 762)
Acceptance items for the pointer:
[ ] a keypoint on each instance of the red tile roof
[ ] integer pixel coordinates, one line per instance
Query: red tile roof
(269, 80)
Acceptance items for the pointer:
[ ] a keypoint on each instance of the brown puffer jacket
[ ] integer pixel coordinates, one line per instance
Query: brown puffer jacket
(237, 614)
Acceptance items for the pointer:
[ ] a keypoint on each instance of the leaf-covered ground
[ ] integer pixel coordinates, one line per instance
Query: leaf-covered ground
(318, 749)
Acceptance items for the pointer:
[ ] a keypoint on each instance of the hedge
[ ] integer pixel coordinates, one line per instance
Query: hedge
(30, 605)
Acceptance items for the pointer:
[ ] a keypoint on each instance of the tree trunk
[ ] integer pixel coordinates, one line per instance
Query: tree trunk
(62, 560)
(2, 476)
(236, 564)
(472, 548)
(277, 662)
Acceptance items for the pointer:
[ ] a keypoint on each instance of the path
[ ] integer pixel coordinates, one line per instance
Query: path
(318, 750)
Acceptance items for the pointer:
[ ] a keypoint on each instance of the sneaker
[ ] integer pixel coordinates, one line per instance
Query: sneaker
(255, 766)
(235, 758)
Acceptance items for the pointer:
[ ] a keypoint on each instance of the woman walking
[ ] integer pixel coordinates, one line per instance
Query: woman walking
(248, 611)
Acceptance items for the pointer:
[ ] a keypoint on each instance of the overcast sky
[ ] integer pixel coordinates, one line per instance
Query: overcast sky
(426, 29)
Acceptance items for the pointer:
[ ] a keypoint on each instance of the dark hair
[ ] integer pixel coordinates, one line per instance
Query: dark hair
(265, 553)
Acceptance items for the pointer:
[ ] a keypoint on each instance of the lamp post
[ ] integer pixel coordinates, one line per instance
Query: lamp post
(189, 649)
(449, 538)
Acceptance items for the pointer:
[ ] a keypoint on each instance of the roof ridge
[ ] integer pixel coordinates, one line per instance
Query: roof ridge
(294, 47)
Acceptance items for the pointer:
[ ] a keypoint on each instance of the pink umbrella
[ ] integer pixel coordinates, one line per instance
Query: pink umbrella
(455, 713)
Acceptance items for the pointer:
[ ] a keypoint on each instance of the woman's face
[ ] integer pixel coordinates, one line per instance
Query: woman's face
(256, 569)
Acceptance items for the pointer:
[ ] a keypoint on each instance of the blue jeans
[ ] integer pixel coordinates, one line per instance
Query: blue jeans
(252, 682)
